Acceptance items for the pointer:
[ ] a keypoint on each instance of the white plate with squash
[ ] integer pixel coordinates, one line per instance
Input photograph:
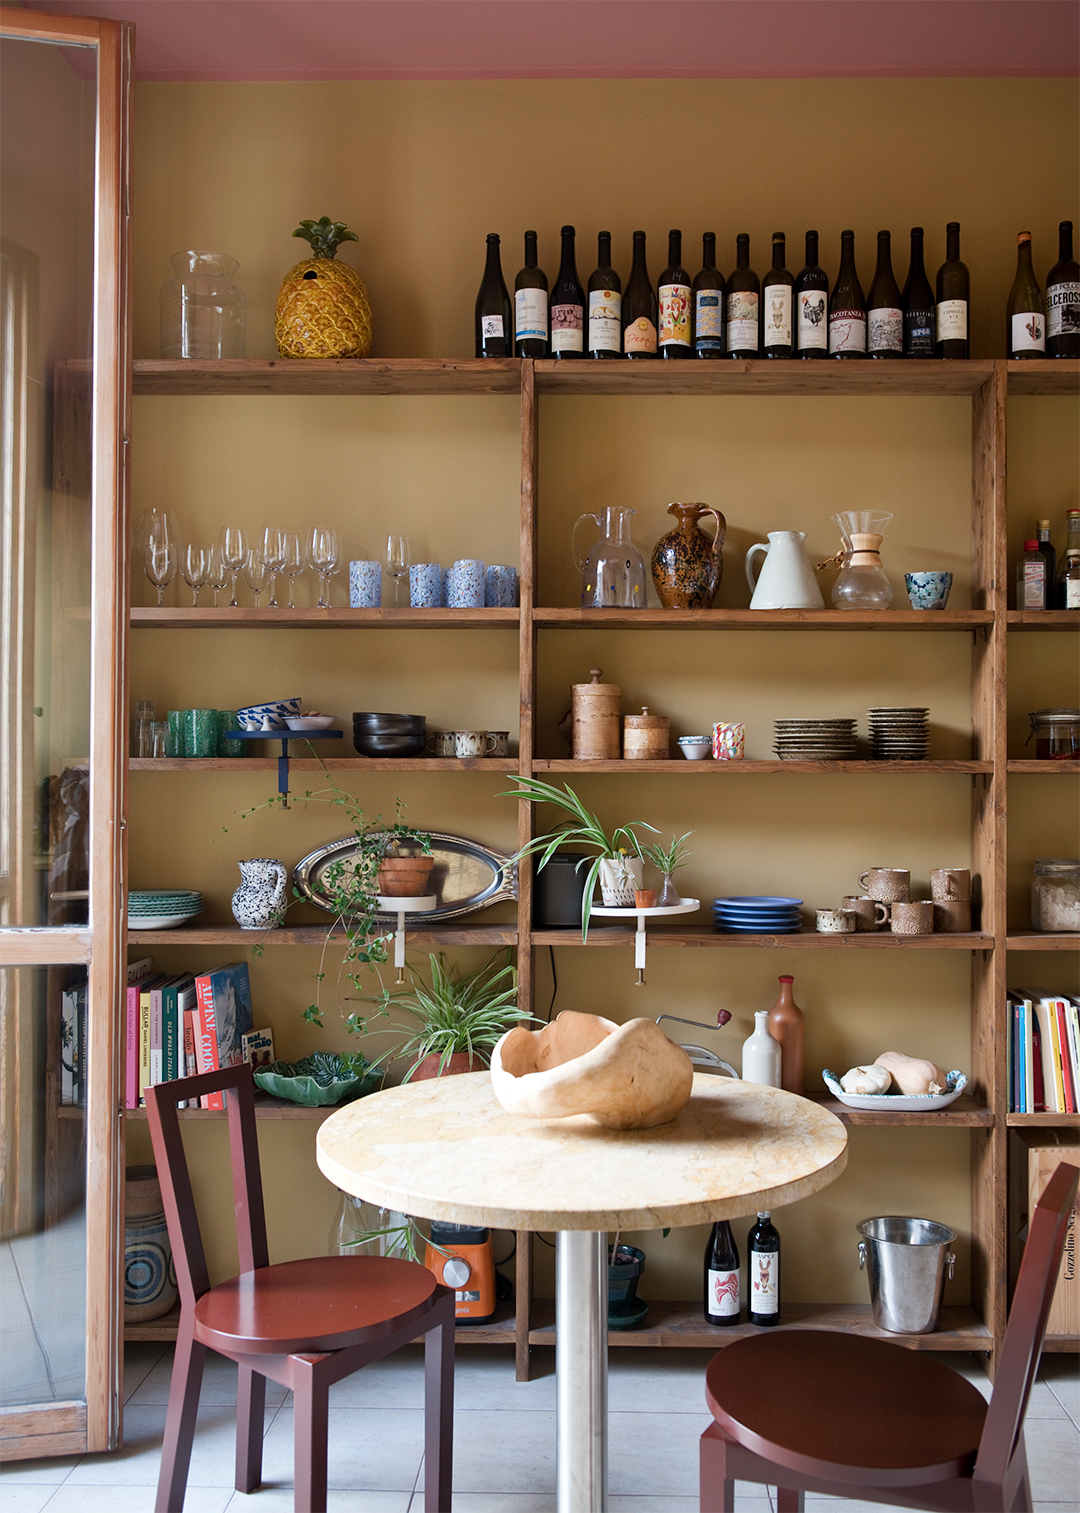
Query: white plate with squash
(904, 1084)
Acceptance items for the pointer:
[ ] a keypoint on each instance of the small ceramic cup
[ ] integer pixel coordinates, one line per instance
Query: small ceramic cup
(729, 741)
(952, 916)
(695, 748)
(500, 743)
(442, 743)
(951, 882)
(870, 914)
(365, 585)
(472, 743)
(928, 590)
(500, 586)
(836, 922)
(889, 885)
(467, 584)
(912, 918)
(425, 585)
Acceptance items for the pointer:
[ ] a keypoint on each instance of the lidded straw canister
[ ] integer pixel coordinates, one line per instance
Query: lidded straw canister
(595, 730)
(646, 737)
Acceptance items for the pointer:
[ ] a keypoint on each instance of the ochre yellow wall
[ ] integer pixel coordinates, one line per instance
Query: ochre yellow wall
(422, 172)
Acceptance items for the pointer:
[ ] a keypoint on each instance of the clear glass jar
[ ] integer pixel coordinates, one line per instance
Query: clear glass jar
(360, 1228)
(203, 313)
(1057, 734)
(1055, 895)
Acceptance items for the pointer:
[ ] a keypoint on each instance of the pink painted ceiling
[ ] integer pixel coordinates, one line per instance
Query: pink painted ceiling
(513, 39)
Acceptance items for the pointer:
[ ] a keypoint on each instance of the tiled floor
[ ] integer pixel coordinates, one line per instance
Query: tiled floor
(504, 1451)
(43, 1314)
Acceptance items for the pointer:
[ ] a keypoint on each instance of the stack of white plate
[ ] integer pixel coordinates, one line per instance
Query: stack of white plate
(162, 908)
(899, 735)
(815, 740)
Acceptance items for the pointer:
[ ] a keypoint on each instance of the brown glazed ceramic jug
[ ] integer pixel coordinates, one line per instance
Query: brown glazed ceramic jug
(686, 563)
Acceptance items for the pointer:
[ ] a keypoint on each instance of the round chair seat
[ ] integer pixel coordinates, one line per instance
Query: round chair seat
(841, 1407)
(321, 1303)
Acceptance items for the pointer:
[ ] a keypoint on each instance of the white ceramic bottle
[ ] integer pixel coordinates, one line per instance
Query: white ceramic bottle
(761, 1054)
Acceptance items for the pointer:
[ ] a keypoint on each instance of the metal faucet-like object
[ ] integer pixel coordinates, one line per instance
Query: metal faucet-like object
(699, 1055)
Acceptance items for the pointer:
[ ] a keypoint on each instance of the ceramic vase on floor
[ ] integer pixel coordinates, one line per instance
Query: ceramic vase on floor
(149, 1278)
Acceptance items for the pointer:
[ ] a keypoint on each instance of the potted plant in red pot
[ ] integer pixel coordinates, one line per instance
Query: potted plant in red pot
(459, 1016)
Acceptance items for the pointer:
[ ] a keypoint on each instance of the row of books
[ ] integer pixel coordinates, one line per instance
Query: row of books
(1044, 1052)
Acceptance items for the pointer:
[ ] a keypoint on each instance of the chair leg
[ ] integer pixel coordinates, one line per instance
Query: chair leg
(438, 1417)
(250, 1411)
(187, 1373)
(310, 1422)
(789, 1500)
(716, 1487)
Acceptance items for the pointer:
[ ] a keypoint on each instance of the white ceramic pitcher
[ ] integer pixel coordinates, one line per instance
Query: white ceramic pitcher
(257, 903)
(786, 579)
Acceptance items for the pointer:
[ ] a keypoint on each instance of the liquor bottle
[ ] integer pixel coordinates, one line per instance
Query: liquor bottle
(639, 307)
(1025, 322)
(918, 303)
(722, 1276)
(1031, 578)
(787, 1026)
(777, 297)
(494, 314)
(1046, 546)
(763, 1272)
(953, 293)
(812, 304)
(761, 1054)
(884, 316)
(1067, 587)
(1063, 299)
(531, 305)
(847, 307)
(708, 291)
(743, 303)
(567, 304)
(605, 304)
(673, 298)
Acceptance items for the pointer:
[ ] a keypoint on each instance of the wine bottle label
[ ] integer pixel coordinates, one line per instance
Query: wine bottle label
(1072, 593)
(674, 315)
(567, 323)
(1033, 586)
(764, 1281)
(885, 329)
(723, 1296)
(847, 331)
(742, 321)
(491, 326)
(708, 320)
(777, 316)
(1028, 332)
(952, 320)
(919, 333)
(813, 327)
(640, 336)
(605, 320)
(1063, 309)
(530, 315)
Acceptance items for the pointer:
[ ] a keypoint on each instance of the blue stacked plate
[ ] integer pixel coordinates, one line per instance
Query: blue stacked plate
(758, 914)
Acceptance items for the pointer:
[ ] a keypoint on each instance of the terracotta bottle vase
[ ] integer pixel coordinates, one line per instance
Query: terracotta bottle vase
(686, 564)
(786, 1024)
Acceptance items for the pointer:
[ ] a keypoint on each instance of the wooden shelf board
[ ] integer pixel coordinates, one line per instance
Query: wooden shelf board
(681, 767)
(1043, 375)
(1036, 940)
(315, 764)
(1042, 619)
(149, 616)
(616, 935)
(911, 378)
(1044, 768)
(683, 1325)
(966, 1111)
(450, 934)
(369, 375)
(1043, 1121)
(1061, 1344)
(266, 1107)
(500, 1331)
(557, 617)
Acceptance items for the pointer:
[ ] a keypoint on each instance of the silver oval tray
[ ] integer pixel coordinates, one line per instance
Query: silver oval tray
(466, 875)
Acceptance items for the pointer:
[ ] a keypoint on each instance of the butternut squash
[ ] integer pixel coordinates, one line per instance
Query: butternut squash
(912, 1076)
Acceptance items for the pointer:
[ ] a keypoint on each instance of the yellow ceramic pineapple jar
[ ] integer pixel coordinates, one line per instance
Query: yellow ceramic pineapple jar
(322, 307)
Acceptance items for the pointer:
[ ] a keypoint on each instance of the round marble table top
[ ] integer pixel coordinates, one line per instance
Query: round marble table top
(446, 1149)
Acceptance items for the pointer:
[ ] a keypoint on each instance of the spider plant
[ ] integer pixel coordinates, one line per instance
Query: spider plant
(582, 828)
(668, 859)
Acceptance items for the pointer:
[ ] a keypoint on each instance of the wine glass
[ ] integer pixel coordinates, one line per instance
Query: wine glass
(323, 555)
(159, 564)
(256, 573)
(397, 561)
(158, 532)
(195, 568)
(293, 563)
(217, 573)
(234, 548)
(156, 523)
(272, 550)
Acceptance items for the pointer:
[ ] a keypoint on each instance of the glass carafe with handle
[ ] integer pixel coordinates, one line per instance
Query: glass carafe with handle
(613, 570)
(862, 583)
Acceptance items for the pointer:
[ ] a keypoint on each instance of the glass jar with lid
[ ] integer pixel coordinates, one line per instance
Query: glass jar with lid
(1055, 895)
(1057, 734)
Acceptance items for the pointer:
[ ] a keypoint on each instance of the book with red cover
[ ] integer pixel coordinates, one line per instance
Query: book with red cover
(222, 1017)
(135, 971)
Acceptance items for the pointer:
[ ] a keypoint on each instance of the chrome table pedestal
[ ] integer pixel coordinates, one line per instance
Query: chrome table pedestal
(581, 1371)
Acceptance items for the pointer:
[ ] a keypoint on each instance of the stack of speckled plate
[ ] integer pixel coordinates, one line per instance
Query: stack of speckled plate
(162, 908)
(815, 740)
(899, 735)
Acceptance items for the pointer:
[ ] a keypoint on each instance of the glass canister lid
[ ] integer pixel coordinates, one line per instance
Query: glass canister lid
(1054, 721)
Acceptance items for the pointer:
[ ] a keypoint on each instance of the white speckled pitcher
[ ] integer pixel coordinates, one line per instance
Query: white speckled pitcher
(786, 579)
(258, 902)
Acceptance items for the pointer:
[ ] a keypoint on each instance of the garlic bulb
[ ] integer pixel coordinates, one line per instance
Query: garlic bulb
(866, 1079)
(913, 1077)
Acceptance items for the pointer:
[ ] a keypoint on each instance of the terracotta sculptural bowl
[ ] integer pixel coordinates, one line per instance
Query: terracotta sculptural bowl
(623, 1076)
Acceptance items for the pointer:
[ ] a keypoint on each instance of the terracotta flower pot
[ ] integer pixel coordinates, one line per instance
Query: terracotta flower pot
(404, 876)
(459, 1062)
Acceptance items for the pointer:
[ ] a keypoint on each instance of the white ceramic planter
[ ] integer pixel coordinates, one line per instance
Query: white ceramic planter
(619, 877)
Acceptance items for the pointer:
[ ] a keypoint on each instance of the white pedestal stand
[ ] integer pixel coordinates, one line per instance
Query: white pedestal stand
(687, 906)
(401, 907)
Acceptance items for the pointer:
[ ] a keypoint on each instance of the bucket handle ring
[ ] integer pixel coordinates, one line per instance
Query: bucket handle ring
(950, 1260)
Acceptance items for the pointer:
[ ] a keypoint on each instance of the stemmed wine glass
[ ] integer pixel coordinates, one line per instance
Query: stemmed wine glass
(397, 562)
(256, 572)
(216, 572)
(272, 550)
(323, 555)
(158, 543)
(234, 548)
(195, 568)
(292, 563)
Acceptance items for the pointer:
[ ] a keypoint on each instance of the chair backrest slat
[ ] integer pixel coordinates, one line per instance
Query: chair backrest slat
(1047, 1228)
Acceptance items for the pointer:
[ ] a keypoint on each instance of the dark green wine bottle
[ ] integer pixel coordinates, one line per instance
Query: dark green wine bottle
(674, 325)
(567, 304)
(953, 295)
(743, 304)
(494, 319)
(847, 307)
(812, 304)
(884, 316)
(531, 305)
(917, 302)
(1025, 319)
(639, 307)
(1063, 299)
(708, 288)
(605, 304)
(777, 298)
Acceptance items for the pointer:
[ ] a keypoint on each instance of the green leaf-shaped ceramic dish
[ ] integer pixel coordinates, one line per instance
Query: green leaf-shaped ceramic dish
(320, 1080)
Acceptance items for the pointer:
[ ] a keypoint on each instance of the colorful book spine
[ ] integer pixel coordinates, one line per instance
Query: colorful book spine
(68, 1001)
(82, 1023)
(1067, 1079)
(135, 971)
(206, 1040)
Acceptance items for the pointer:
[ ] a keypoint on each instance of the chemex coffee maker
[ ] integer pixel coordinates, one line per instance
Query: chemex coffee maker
(460, 1257)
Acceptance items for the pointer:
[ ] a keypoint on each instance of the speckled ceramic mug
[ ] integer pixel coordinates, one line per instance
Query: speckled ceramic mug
(912, 918)
(889, 885)
(870, 913)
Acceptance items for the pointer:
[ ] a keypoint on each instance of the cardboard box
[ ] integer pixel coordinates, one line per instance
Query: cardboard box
(1044, 1152)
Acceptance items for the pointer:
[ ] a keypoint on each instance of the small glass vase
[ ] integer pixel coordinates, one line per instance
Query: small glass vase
(668, 897)
(203, 313)
(360, 1228)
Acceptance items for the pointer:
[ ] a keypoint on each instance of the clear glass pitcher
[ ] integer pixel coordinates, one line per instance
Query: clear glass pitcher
(203, 313)
(613, 572)
(862, 583)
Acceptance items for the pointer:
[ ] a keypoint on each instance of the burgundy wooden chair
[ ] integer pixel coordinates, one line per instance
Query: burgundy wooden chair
(305, 1324)
(844, 1416)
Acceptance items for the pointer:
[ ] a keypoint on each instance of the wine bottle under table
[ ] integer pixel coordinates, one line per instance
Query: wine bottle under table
(763, 1272)
(722, 1276)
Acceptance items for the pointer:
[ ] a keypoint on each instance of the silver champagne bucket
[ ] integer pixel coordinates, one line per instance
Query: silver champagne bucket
(906, 1261)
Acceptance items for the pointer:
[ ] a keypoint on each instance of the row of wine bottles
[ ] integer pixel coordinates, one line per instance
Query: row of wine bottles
(723, 1303)
(781, 315)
